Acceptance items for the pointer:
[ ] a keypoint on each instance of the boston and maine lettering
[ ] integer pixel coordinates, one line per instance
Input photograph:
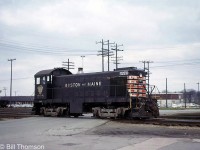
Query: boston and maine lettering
(88, 84)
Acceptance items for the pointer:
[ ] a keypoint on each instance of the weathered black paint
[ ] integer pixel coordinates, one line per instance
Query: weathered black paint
(84, 91)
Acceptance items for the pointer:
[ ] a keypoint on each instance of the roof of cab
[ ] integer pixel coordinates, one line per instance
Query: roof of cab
(55, 71)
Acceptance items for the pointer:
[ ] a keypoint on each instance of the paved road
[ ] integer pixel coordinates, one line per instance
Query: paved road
(87, 133)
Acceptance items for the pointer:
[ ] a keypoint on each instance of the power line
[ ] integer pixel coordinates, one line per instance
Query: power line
(178, 60)
(44, 50)
(34, 50)
(169, 48)
(34, 45)
(17, 79)
(179, 64)
(172, 61)
(38, 45)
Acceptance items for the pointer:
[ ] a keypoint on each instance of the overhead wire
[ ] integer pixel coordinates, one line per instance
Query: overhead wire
(177, 64)
(43, 47)
(23, 78)
(43, 50)
(169, 48)
(38, 51)
(173, 63)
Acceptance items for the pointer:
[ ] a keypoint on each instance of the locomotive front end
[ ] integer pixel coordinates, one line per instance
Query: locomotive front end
(141, 104)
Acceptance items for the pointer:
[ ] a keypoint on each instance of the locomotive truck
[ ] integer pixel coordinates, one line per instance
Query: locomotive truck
(112, 94)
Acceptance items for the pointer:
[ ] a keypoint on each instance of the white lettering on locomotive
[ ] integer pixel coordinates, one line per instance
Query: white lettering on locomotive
(123, 73)
(72, 85)
(88, 84)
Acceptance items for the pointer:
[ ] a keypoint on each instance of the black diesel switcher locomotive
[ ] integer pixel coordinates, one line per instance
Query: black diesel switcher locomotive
(118, 93)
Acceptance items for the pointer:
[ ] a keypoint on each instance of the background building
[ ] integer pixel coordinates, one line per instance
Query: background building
(18, 101)
(175, 100)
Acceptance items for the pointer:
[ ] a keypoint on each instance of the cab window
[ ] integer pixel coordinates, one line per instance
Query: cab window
(43, 80)
(38, 80)
(48, 78)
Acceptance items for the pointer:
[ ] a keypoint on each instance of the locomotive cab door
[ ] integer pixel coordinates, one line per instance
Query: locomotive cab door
(40, 88)
(49, 87)
(43, 87)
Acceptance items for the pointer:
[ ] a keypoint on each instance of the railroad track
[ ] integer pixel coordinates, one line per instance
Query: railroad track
(164, 122)
(15, 112)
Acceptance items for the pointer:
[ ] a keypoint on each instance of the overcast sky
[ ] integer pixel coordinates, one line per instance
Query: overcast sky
(41, 34)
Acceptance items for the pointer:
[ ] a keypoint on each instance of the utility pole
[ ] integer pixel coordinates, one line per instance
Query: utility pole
(198, 93)
(108, 53)
(116, 55)
(166, 94)
(185, 95)
(198, 86)
(4, 88)
(82, 60)
(148, 72)
(11, 60)
(105, 52)
(108, 56)
(69, 64)
(148, 75)
(102, 53)
(144, 62)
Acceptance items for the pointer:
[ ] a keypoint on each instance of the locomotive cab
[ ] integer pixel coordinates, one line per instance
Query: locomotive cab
(44, 82)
